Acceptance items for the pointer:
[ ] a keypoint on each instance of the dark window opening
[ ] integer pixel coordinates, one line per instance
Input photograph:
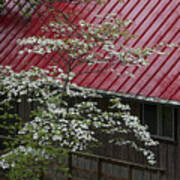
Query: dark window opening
(160, 119)
(150, 117)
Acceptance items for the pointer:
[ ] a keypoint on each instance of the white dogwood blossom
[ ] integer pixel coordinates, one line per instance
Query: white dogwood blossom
(66, 120)
(88, 43)
(65, 116)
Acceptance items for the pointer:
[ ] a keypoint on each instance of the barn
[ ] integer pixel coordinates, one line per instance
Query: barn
(153, 91)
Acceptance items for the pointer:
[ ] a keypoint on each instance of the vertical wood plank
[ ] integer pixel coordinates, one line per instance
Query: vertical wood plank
(99, 169)
(70, 165)
(107, 168)
(154, 176)
(137, 174)
(171, 162)
(161, 176)
(147, 175)
(119, 171)
(163, 148)
(129, 173)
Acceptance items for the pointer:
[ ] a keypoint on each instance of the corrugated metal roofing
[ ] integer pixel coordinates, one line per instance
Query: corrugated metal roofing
(155, 21)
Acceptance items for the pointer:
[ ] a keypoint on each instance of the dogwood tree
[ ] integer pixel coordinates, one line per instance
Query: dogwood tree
(62, 121)
(67, 117)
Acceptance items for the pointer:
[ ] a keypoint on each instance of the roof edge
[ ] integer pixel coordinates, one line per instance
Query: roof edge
(138, 97)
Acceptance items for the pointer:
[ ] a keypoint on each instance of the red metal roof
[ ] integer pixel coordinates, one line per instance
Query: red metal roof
(155, 21)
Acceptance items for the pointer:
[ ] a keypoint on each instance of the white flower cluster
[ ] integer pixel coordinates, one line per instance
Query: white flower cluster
(88, 43)
(66, 119)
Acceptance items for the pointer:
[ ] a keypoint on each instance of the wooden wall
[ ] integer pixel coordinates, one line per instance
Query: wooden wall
(167, 153)
(91, 167)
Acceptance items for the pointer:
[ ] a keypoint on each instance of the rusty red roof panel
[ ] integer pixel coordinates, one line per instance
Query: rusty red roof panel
(154, 22)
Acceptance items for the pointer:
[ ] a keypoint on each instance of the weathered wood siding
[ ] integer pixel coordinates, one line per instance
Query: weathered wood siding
(91, 167)
(167, 153)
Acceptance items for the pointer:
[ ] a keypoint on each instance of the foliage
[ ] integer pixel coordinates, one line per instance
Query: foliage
(27, 7)
(62, 121)
(2, 2)
(68, 117)
(87, 43)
